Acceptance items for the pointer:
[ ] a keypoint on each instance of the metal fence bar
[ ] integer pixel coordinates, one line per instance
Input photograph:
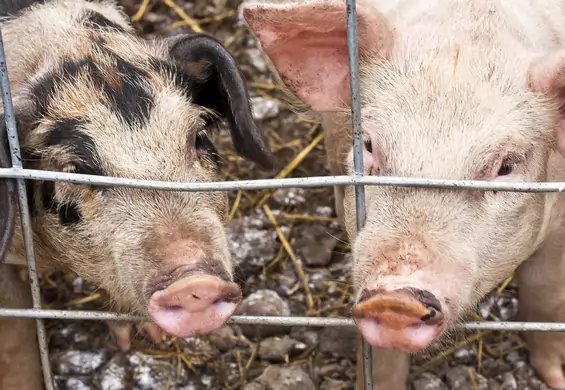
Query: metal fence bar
(353, 56)
(511, 326)
(299, 182)
(14, 142)
(358, 180)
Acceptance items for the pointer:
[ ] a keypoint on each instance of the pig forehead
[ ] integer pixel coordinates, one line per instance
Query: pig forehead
(128, 119)
(419, 125)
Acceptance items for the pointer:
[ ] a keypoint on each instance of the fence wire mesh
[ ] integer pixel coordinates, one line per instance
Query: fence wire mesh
(20, 174)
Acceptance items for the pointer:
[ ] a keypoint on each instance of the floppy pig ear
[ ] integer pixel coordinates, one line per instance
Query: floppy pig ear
(547, 76)
(222, 88)
(307, 44)
(8, 197)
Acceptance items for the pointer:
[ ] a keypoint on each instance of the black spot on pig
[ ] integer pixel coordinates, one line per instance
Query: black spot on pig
(132, 99)
(48, 196)
(95, 20)
(84, 157)
(124, 87)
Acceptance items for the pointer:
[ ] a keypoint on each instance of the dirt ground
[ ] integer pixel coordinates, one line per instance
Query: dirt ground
(310, 278)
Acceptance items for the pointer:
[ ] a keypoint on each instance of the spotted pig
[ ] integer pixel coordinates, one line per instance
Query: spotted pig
(93, 98)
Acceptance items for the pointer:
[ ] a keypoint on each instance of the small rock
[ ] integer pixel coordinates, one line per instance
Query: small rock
(501, 306)
(149, 373)
(464, 356)
(79, 362)
(263, 303)
(77, 384)
(306, 335)
(509, 382)
(328, 370)
(334, 384)
(113, 375)
(493, 384)
(339, 342)
(247, 241)
(257, 59)
(290, 197)
(254, 386)
(200, 382)
(315, 245)
(203, 8)
(495, 367)
(515, 358)
(223, 338)
(276, 349)
(200, 349)
(264, 108)
(282, 378)
(457, 378)
(73, 334)
(429, 382)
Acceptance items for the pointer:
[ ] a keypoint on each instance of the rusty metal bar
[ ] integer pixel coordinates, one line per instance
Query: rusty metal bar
(300, 182)
(511, 326)
(355, 90)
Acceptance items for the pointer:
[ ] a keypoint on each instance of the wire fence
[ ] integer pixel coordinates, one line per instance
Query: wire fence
(358, 180)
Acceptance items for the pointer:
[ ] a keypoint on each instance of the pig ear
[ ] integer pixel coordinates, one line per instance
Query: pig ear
(307, 44)
(220, 86)
(547, 76)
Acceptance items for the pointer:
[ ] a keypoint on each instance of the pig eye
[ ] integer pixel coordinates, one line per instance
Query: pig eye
(205, 147)
(369, 146)
(505, 169)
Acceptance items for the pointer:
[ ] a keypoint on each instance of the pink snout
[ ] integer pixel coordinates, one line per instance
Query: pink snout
(407, 320)
(194, 305)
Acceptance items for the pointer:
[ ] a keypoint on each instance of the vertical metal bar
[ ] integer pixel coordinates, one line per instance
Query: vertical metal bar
(24, 211)
(353, 54)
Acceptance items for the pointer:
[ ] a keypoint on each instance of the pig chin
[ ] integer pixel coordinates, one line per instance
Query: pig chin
(190, 303)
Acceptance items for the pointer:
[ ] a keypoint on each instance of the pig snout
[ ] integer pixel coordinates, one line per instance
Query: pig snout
(406, 319)
(194, 305)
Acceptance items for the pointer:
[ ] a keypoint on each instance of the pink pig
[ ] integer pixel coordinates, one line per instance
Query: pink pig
(450, 89)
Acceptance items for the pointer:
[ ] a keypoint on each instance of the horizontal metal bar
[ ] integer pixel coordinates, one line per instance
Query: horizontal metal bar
(306, 182)
(273, 320)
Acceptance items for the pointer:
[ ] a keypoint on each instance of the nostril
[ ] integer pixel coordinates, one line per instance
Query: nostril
(431, 314)
(173, 308)
(427, 299)
(195, 296)
(368, 294)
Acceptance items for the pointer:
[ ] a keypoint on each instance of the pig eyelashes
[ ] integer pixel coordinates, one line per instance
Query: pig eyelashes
(505, 169)
(507, 164)
(369, 145)
(205, 147)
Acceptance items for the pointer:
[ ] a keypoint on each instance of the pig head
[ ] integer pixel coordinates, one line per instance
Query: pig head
(90, 97)
(449, 90)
